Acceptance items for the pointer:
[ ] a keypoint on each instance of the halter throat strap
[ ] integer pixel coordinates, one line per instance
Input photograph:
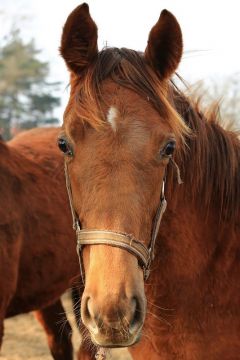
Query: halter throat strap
(144, 254)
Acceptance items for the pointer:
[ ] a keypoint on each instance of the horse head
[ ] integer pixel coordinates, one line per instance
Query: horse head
(120, 131)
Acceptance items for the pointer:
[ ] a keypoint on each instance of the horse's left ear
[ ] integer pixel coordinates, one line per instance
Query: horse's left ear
(79, 39)
(165, 45)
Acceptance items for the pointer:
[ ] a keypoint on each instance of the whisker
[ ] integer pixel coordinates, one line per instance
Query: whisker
(159, 307)
(61, 329)
(160, 318)
(150, 339)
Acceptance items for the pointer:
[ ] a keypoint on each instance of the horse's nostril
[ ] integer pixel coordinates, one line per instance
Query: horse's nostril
(87, 314)
(137, 315)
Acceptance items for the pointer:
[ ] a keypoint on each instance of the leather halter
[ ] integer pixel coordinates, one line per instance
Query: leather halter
(144, 254)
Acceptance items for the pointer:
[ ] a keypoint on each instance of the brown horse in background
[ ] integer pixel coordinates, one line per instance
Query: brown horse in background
(125, 127)
(37, 246)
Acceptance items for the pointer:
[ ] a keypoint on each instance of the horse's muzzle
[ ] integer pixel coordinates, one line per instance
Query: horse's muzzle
(118, 325)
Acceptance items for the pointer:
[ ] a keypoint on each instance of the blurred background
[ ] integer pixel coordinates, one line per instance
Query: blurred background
(33, 78)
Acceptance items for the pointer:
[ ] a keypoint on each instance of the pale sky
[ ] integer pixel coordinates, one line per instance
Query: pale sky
(211, 31)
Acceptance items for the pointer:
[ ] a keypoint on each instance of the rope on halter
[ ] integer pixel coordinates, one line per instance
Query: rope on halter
(179, 179)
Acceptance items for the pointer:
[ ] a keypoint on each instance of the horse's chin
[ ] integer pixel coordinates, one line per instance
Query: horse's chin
(117, 342)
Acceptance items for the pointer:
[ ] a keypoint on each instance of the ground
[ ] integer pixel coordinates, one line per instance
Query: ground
(24, 338)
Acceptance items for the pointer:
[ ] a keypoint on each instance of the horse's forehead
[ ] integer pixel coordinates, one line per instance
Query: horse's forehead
(125, 107)
(125, 98)
(124, 111)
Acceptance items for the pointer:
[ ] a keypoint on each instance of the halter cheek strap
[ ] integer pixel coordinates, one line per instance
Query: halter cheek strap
(144, 254)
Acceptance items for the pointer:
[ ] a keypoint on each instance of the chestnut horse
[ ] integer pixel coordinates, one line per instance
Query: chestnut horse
(126, 128)
(36, 240)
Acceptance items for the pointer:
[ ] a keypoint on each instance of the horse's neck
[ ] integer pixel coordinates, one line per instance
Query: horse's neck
(196, 267)
(194, 282)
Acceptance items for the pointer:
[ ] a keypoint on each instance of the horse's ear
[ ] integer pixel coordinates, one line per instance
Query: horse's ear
(165, 45)
(79, 39)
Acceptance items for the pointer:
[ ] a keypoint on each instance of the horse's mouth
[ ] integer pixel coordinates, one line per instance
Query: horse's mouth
(114, 341)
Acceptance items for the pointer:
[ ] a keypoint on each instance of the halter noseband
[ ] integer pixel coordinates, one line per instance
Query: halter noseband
(144, 254)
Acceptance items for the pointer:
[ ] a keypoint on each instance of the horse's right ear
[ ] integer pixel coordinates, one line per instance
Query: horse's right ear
(79, 39)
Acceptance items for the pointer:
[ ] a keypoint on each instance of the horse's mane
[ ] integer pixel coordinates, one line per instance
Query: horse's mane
(210, 163)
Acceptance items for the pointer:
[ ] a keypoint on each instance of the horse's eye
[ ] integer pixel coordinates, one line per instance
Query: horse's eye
(168, 150)
(64, 146)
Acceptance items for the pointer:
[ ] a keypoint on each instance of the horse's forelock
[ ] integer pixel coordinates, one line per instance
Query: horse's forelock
(129, 69)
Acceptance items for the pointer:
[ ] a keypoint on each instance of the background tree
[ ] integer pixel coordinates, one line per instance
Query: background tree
(223, 91)
(227, 90)
(26, 98)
